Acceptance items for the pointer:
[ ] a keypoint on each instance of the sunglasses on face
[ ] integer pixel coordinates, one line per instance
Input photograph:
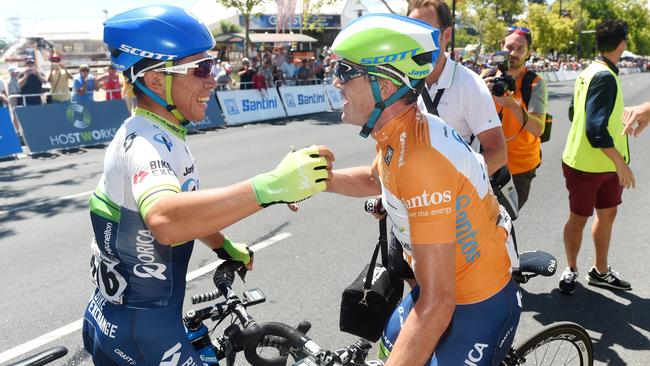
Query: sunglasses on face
(201, 68)
(513, 28)
(345, 72)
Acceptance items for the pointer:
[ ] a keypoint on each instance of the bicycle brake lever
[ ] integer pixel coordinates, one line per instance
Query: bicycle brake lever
(242, 273)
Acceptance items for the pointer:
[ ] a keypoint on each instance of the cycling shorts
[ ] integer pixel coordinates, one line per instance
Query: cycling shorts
(479, 334)
(117, 335)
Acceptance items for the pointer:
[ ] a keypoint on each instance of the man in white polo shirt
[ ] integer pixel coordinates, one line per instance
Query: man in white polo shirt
(465, 103)
(462, 100)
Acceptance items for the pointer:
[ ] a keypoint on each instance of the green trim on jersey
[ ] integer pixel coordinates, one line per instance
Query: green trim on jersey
(177, 130)
(152, 195)
(102, 206)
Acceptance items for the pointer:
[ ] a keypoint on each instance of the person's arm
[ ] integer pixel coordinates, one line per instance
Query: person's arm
(23, 78)
(625, 175)
(483, 120)
(175, 217)
(41, 77)
(435, 272)
(600, 100)
(636, 119)
(358, 181)
(494, 149)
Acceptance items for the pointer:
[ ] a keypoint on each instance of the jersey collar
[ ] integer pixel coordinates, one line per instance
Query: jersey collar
(388, 132)
(177, 130)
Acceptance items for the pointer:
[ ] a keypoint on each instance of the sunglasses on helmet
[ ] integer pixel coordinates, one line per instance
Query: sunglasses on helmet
(346, 72)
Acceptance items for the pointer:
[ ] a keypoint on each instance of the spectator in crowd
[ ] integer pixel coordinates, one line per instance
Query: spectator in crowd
(259, 82)
(111, 83)
(304, 72)
(83, 86)
(267, 69)
(595, 159)
(636, 119)
(31, 82)
(3, 94)
(246, 74)
(319, 68)
(328, 78)
(289, 71)
(59, 79)
(224, 80)
(523, 121)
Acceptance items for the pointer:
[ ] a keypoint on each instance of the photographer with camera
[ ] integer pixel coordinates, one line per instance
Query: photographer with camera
(520, 97)
(59, 79)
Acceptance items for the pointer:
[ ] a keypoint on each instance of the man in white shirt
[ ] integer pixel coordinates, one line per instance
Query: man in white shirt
(466, 103)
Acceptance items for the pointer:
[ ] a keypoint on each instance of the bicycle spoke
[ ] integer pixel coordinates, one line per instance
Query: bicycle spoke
(554, 353)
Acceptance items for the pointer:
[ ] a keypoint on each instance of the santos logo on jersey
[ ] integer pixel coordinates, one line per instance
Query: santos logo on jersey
(427, 199)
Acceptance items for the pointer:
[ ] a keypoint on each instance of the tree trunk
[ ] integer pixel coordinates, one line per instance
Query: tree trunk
(247, 41)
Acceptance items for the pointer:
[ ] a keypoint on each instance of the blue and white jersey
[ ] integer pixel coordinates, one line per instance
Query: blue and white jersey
(147, 160)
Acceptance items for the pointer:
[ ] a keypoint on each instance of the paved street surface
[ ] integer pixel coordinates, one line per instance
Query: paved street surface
(45, 234)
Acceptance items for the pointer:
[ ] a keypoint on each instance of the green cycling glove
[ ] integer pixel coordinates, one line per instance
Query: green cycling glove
(235, 251)
(300, 175)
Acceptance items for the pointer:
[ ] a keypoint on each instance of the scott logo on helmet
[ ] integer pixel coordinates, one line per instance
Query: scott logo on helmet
(144, 53)
(388, 58)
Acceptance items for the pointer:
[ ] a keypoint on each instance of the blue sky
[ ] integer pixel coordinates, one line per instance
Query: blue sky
(30, 10)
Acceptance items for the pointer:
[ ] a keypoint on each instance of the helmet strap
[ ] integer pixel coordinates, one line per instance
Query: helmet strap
(380, 104)
(168, 102)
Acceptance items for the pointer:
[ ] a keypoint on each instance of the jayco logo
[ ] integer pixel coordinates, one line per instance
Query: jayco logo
(391, 57)
(427, 199)
(311, 99)
(255, 105)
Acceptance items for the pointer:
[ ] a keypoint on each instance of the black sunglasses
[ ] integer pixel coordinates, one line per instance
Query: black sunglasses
(346, 72)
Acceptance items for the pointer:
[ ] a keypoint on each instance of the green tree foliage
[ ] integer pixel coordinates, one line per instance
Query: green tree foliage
(245, 7)
(550, 31)
(311, 11)
(226, 27)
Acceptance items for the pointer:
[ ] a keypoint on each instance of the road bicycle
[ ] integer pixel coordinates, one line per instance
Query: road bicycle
(276, 344)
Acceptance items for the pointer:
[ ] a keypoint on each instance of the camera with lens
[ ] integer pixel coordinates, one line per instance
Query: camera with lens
(503, 82)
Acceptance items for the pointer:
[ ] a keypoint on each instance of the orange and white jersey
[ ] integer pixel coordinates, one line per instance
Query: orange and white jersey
(436, 190)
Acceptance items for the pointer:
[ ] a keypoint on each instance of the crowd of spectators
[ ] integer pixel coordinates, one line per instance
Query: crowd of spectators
(269, 67)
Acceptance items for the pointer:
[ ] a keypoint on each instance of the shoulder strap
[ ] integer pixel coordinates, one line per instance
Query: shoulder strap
(432, 105)
(382, 244)
(527, 86)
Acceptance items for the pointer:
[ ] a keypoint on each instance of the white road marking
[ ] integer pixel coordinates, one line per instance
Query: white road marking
(76, 325)
(72, 196)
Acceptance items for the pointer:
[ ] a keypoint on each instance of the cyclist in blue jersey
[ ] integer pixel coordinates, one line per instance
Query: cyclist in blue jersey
(147, 210)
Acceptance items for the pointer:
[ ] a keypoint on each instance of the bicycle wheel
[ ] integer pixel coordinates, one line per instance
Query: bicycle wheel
(562, 343)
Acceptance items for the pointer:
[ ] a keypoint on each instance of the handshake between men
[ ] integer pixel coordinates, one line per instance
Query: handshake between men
(301, 174)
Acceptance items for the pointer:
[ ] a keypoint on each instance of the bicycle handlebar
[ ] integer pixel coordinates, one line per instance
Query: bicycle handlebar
(43, 358)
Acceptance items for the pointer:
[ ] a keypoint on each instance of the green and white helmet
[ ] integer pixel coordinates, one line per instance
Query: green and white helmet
(394, 47)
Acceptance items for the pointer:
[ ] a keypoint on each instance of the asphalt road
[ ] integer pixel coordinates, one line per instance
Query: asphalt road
(45, 234)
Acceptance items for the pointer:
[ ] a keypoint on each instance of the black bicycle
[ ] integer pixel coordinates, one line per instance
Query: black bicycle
(263, 344)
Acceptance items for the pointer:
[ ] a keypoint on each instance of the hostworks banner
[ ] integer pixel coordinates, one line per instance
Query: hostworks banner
(65, 125)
